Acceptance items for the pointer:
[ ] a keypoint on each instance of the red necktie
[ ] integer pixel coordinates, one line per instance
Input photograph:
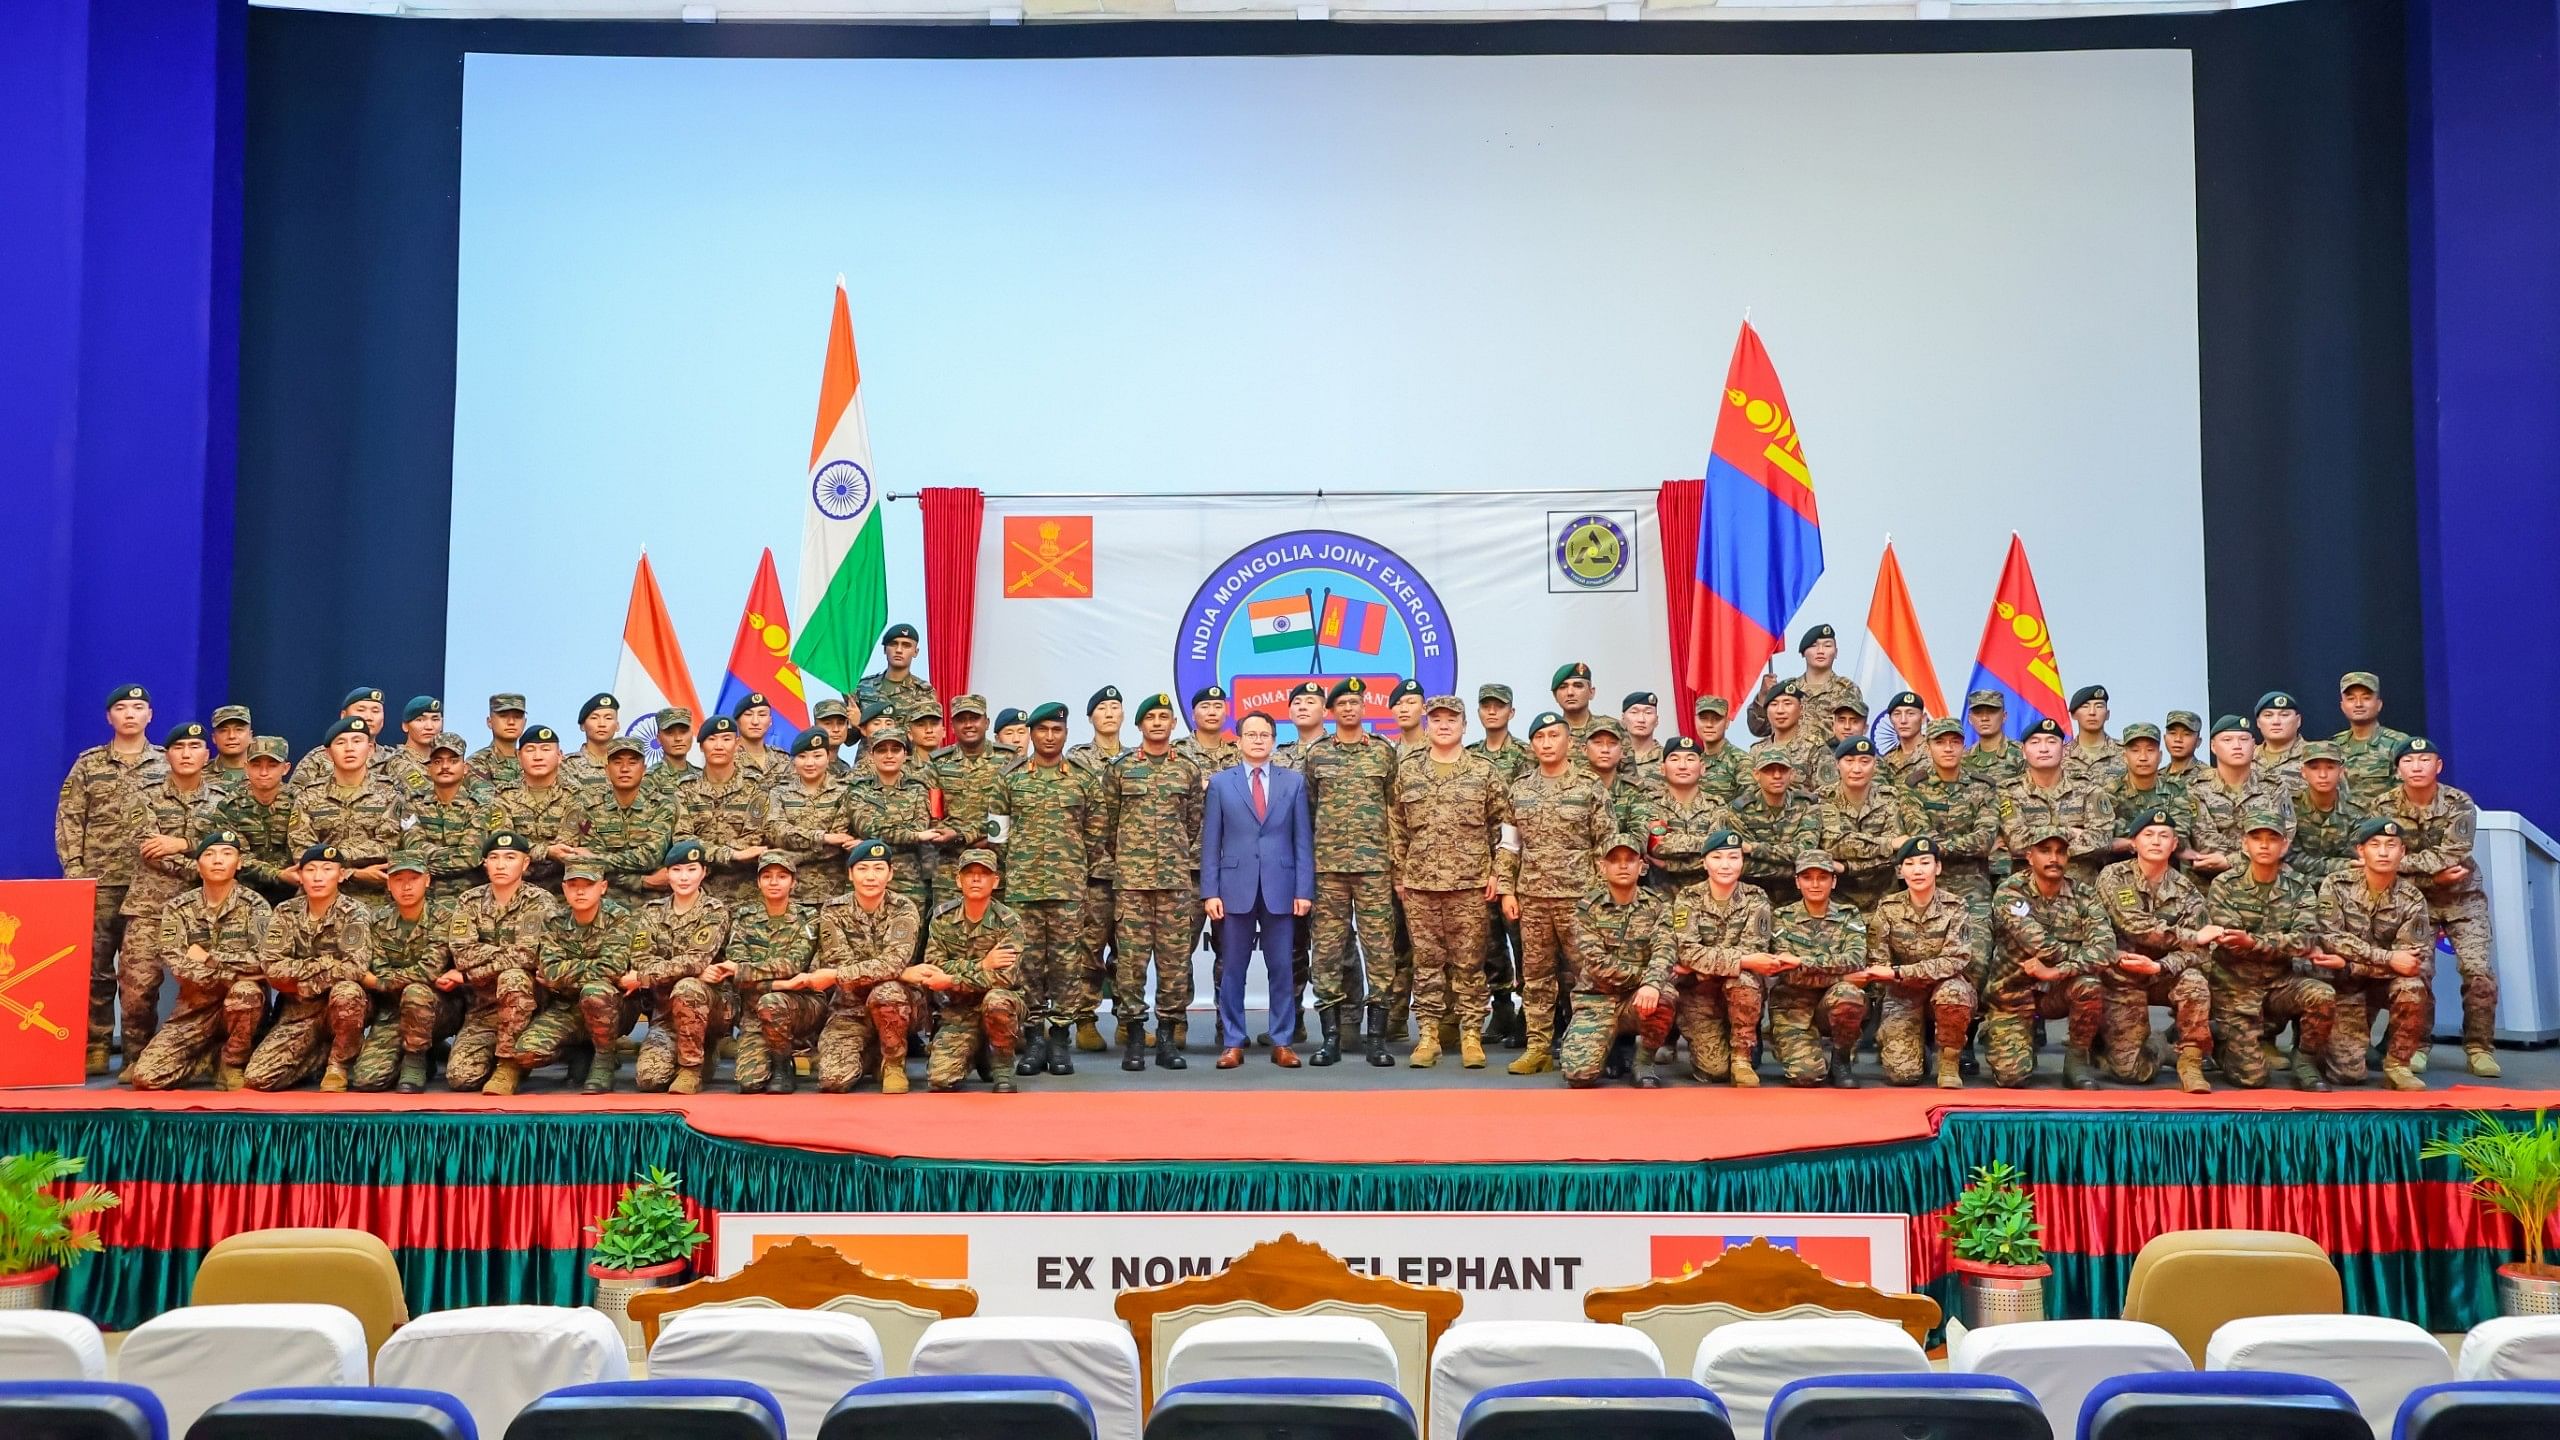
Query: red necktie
(1260, 809)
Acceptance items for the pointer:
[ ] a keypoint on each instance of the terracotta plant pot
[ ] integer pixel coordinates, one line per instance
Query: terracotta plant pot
(2000, 1294)
(2529, 1290)
(29, 1289)
(614, 1289)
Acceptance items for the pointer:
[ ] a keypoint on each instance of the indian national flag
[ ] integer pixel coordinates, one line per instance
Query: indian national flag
(1288, 624)
(844, 579)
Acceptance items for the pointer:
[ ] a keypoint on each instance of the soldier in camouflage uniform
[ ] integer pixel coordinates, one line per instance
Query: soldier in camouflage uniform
(2053, 942)
(972, 953)
(2437, 822)
(2092, 754)
(1621, 953)
(809, 822)
(2268, 968)
(1350, 788)
(211, 936)
(2140, 785)
(316, 767)
(421, 721)
(1404, 707)
(771, 941)
(1804, 746)
(1824, 996)
(1559, 824)
(1682, 818)
(887, 803)
(1909, 758)
(495, 940)
(1057, 839)
(314, 955)
(2280, 737)
(1776, 822)
(260, 807)
(1994, 756)
(2161, 935)
(1306, 723)
(688, 1005)
(969, 768)
(1449, 815)
(408, 1014)
(896, 684)
(231, 736)
(2367, 747)
(183, 806)
(1861, 823)
(1640, 712)
(599, 720)
(1724, 768)
(588, 945)
(2043, 796)
(674, 768)
(2378, 923)
(1960, 811)
(1153, 797)
(1572, 688)
(867, 941)
(537, 806)
(756, 758)
(351, 806)
(446, 817)
(494, 765)
(618, 826)
(727, 811)
(832, 721)
(2181, 732)
(1510, 757)
(2325, 816)
(1722, 928)
(1629, 800)
(1919, 945)
(1103, 713)
(94, 837)
(1819, 688)
(2227, 791)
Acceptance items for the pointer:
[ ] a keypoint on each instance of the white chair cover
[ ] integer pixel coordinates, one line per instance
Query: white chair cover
(1262, 1347)
(2377, 1361)
(1473, 1358)
(806, 1358)
(2061, 1361)
(50, 1345)
(1098, 1357)
(1747, 1361)
(2511, 1347)
(497, 1359)
(197, 1356)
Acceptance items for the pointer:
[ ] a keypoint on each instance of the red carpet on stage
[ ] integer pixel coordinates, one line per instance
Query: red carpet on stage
(1384, 1127)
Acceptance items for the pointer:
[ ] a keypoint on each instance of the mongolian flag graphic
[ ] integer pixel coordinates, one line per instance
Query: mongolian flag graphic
(2016, 659)
(760, 660)
(1760, 536)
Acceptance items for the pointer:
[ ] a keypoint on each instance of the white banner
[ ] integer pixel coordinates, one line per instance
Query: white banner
(1509, 1266)
(1152, 594)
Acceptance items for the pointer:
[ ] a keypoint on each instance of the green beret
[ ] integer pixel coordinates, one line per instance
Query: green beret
(1854, 745)
(1713, 705)
(866, 850)
(1205, 694)
(1162, 701)
(1986, 700)
(1916, 845)
(1906, 700)
(630, 745)
(1450, 703)
(1404, 688)
(582, 870)
(506, 703)
(272, 747)
(176, 733)
(1722, 838)
(2377, 827)
(329, 853)
(777, 859)
(900, 631)
(676, 717)
(346, 725)
(2186, 720)
(2275, 700)
(1810, 858)
(2141, 820)
(2415, 745)
(831, 708)
(687, 852)
(539, 735)
(122, 693)
(1046, 711)
(2047, 726)
(1306, 688)
(447, 741)
(1814, 636)
(1680, 745)
(1007, 718)
(1095, 700)
(361, 695)
(716, 725)
(2142, 730)
(505, 840)
(2087, 693)
(1572, 670)
(969, 705)
(812, 740)
(1622, 841)
(2316, 750)
(1945, 725)
(982, 858)
(1789, 687)
(1347, 685)
(420, 705)
(211, 838)
(410, 862)
(1501, 693)
(752, 700)
(872, 714)
(230, 715)
(2354, 678)
(1545, 719)
(1605, 725)
(1640, 697)
(2224, 724)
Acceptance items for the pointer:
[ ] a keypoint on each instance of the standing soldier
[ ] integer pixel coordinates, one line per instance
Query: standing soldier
(2367, 747)
(1306, 722)
(1960, 812)
(1722, 926)
(1350, 788)
(1560, 822)
(1820, 688)
(231, 737)
(686, 928)
(756, 759)
(2093, 755)
(890, 805)
(2044, 795)
(2280, 736)
(1919, 945)
(2053, 942)
(1056, 839)
(495, 939)
(2160, 937)
(261, 809)
(725, 812)
(1449, 815)
(831, 721)
(809, 820)
(1641, 713)
(174, 812)
(675, 767)
(211, 936)
(1909, 757)
(772, 941)
(1103, 710)
(494, 764)
(1511, 760)
(94, 836)
(867, 940)
(446, 832)
(599, 720)
(408, 1013)
(1571, 687)
(2233, 787)
(1404, 707)
(972, 952)
(362, 703)
(421, 721)
(1207, 745)
(619, 827)
(1153, 795)
(1012, 732)
(896, 684)
(2436, 823)
(317, 949)
(537, 807)
(1861, 823)
(1724, 768)
(969, 768)
(1622, 952)
(590, 942)
(2325, 816)
(2378, 923)
(2139, 785)
(2269, 968)
(1683, 816)
(1994, 756)
(1825, 995)
(1807, 753)
(352, 807)
(2180, 734)
(1629, 801)
(1774, 823)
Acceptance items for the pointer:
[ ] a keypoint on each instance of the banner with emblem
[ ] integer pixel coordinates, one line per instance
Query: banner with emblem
(44, 981)
(1260, 593)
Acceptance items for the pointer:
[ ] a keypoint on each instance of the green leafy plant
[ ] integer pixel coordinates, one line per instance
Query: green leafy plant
(1994, 1220)
(2514, 1169)
(648, 1226)
(38, 1224)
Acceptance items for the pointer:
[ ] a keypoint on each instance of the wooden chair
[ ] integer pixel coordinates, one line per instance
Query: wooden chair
(1758, 1281)
(805, 1275)
(1290, 1276)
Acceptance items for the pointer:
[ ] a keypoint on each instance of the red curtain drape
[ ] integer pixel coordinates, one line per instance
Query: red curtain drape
(1676, 513)
(953, 517)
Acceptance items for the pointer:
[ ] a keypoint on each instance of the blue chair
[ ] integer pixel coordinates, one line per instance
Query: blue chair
(1303, 1409)
(344, 1412)
(1596, 1410)
(1906, 1407)
(80, 1410)
(961, 1407)
(2221, 1405)
(2480, 1410)
(655, 1409)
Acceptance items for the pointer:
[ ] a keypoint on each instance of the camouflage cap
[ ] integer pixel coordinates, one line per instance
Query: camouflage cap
(2262, 820)
(831, 708)
(1608, 725)
(677, 717)
(1623, 841)
(1450, 703)
(2354, 678)
(1713, 705)
(230, 715)
(272, 747)
(446, 742)
(2314, 751)
(887, 737)
(1493, 692)
(506, 702)
(1985, 700)
(410, 862)
(2186, 720)
(1810, 858)
(1946, 725)
(983, 859)
(1764, 756)
(777, 860)
(2142, 730)
(582, 870)
(630, 745)
(921, 709)
(969, 705)
(1850, 704)
(2043, 830)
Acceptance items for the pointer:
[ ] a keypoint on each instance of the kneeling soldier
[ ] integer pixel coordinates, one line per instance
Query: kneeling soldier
(2379, 923)
(866, 940)
(1825, 996)
(2268, 967)
(1919, 946)
(210, 937)
(768, 943)
(1721, 925)
(409, 953)
(495, 939)
(1620, 949)
(686, 929)
(971, 960)
(2051, 943)
(587, 947)
(317, 947)
(2161, 935)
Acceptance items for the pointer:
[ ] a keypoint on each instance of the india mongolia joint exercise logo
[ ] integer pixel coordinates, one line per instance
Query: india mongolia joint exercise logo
(1321, 604)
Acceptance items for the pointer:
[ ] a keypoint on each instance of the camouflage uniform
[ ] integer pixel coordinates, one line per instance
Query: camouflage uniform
(2080, 807)
(2157, 919)
(767, 947)
(1963, 817)
(408, 1014)
(668, 777)
(2363, 928)
(1720, 1002)
(629, 842)
(1817, 999)
(220, 1002)
(2166, 792)
(2439, 838)
(2283, 765)
(1101, 912)
(407, 771)
(1930, 948)
(447, 836)
(902, 694)
(2066, 931)
(868, 950)
(1903, 764)
(1821, 694)
(969, 784)
(582, 769)
(1501, 937)
(541, 815)
(687, 1014)
(314, 770)
(1561, 825)
(2223, 810)
(498, 948)
(726, 815)
(1442, 830)
(580, 967)
(1724, 772)
(265, 829)
(1350, 788)
(761, 764)
(2372, 764)
(496, 769)
(1815, 770)
(368, 821)
(802, 818)
(2271, 984)
(1155, 806)
(322, 956)
(1771, 839)
(1676, 835)
(94, 836)
(179, 815)
(1060, 839)
(2100, 764)
(1615, 950)
(894, 815)
(2323, 840)
(978, 1008)
(1998, 760)
(1862, 835)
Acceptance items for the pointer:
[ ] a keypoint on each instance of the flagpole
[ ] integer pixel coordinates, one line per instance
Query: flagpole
(1315, 656)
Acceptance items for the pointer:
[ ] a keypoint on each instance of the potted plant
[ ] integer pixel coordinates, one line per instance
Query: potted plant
(2515, 1169)
(1999, 1249)
(647, 1243)
(42, 1229)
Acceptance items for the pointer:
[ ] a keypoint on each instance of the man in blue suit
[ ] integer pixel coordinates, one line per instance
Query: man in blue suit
(1258, 876)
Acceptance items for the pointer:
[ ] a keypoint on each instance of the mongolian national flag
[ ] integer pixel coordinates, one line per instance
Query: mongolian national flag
(1350, 624)
(760, 661)
(1759, 536)
(2016, 660)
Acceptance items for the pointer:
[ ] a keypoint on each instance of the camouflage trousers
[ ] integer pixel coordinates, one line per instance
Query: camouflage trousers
(140, 969)
(1153, 928)
(408, 1023)
(1400, 977)
(1944, 1007)
(1594, 1022)
(499, 1011)
(1349, 907)
(592, 1012)
(686, 1020)
(2245, 1010)
(2126, 1027)
(777, 1025)
(1546, 926)
(994, 1019)
(228, 1018)
(1501, 951)
(1973, 887)
(2463, 921)
(1802, 1017)
(106, 937)
(307, 1032)
(1719, 1015)
(2014, 1010)
(2408, 1005)
(1448, 955)
(885, 1015)
(1056, 990)
(1100, 918)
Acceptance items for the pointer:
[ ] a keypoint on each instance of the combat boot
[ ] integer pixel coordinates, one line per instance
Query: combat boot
(1062, 1060)
(1533, 1060)
(413, 1074)
(1641, 1063)
(1950, 1070)
(2482, 1060)
(2418, 1061)
(1169, 1048)
(1329, 1036)
(1470, 1049)
(687, 1081)
(1089, 1037)
(1133, 1053)
(97, 1060)
(1035, 1052)
(1745, 1076)
(1426, 1051)
(2401, 1077)
(1376, 1036)
(599, 1078)
(2191, 1072)
(1497, 1020)
(1619, 1063)
(1005, 1069)
(1838, 1076)
(333, 1081)
(781, 1079)
(2078, 1072)
(893, 1075)
(508, 1074)
(230, 1077)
